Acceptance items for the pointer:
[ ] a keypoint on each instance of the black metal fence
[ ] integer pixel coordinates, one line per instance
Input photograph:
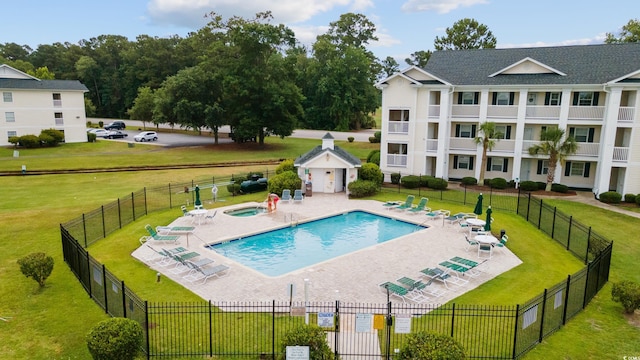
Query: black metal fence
(254, 330)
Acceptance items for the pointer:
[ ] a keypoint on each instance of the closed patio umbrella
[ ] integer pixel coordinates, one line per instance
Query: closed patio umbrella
(478, 209)
(487, 225)
(197, 202)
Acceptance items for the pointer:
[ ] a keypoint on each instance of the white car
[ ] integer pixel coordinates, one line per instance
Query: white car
(146, 136)
(101, 133)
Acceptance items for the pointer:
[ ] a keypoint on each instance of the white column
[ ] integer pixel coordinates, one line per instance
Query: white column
(607, 141)
(444, 131)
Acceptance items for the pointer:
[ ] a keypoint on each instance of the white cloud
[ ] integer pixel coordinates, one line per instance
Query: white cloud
(598, 39)
(439, 6)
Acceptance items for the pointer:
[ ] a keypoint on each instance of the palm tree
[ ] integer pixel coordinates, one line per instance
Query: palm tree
(488, 141)
(554, 144)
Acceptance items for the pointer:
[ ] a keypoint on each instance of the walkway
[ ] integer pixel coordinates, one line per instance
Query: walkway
(586, 197)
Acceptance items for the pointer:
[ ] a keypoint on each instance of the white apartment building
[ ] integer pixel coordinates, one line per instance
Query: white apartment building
(430, 115)
(30, 105)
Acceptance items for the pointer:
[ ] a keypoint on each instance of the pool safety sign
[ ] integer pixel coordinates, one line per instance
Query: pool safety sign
(297, 353)
(325, 319)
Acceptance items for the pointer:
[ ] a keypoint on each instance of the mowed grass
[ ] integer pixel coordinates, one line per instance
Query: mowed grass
(52, 323)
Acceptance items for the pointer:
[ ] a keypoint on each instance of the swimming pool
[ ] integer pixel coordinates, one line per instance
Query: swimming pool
(247, 211)
(281, 251)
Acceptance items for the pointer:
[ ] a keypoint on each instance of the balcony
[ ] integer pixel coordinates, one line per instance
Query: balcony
(432, 145)
(504, 146)
(543, 112)
(399, 127)
(434, 111)
(456, 143)
(502, 111)
(620, 154)
(465, 111)
(588, 149)
(398, 160)
(57, 103)
(625, 114)
(586, 113)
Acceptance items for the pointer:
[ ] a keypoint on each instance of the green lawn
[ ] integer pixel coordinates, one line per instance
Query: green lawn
(51, 323)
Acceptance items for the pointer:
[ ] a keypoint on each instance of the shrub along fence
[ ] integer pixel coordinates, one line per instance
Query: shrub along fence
(254, 330)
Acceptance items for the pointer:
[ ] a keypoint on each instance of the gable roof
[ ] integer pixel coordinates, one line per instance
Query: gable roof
(11, 78)
(586, 64)
(336, 151)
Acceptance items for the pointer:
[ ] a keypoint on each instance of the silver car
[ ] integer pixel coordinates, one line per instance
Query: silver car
(146, 136)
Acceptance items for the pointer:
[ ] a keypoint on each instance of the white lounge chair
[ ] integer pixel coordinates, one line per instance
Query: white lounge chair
(297, 196)
(286, 196)
(198, 273)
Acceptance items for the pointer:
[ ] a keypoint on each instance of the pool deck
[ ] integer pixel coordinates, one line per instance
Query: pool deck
(349, 278)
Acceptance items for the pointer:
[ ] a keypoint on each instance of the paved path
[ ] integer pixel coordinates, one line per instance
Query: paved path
(586, 197)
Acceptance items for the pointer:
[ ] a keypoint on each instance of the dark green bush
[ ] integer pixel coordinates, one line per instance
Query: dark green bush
(429, 346)
(312, 336)
(638, 199)
(15, 140)
(487, 182)
(469, 180)
(100, 124)
(233, 189)
(91, 137)
(541, 185)
(438, 184)
(115, 339)
(37, 266)
(628, 294)
(410, 181)
(361, 188)
(610, 197)
(424, 180)
(559, 188)
(374, 157)
(254, 174)
(53, 137)
(395, 178)
(371, 172)
(499, 183)
(630, 198)
(377, 136)
(285, 180)
(350, 139)
(285, 165)
(29, 141)
(529, 185)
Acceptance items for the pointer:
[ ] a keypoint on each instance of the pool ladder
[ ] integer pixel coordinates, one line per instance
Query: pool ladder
(292, 219)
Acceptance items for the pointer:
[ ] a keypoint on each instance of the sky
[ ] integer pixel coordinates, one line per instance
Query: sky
(403, 26)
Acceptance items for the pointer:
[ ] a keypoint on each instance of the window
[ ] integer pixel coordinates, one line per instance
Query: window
(504, 130)
(7, 96)
(468, 98)
(463, 162)
(10, 116)
(582, 134)
(59, 118)
(57, 99)
(465, 131)
(398, 115)
(577, 168)
(11, 133)
(502, 98)
(543, 167)
(397, 149)
(497, 164)
(554, 99)
(585, 98)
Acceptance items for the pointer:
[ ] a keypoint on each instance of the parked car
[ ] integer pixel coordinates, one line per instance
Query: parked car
(117, 134)
(255, 184)
(116, 125)
(146, 136)
(101, 133)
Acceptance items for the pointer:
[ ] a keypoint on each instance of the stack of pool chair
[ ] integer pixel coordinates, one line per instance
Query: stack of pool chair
(445, 276)
(462, 266)
(424, 287)
(403, 293)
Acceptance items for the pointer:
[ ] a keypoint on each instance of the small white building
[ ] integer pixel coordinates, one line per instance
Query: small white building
(30, 105)
(327, 168)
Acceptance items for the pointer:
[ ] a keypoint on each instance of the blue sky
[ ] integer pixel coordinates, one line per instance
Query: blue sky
(403, 26)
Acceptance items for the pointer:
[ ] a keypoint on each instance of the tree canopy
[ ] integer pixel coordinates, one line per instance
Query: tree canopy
(554, 144)
(466, 34)
(629, 33)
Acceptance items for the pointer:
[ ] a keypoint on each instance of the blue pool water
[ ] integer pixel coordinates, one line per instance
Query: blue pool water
(278, 252)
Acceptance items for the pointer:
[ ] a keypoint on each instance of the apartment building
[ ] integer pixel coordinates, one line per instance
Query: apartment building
(30, 105)
(431, 115)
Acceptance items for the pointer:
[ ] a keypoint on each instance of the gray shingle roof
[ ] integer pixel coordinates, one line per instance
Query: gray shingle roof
(337, 151)
(31, 84)
(588, 64)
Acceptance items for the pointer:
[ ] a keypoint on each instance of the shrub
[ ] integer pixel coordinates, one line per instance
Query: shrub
(371, 172)
(91, 137)
(628, 294)
(285, 180)
(630, 198)
(115, 339)
(423, 345)
(559, 188)
(100, 123)
(529, 185)
(638, 199)
(410, 181)
(361, 188)
(610, 197)
(53, 136)
(15, 140)
(469, 180)
(377, 136)
(252, 175)
(395, 178)
(89, 124)
(499, 183)
(487, 182)
(424, 180)
(29, 141)
(307, 335)
(350, 139)
(37, 266)
(541, 185)
(233, 189)
(285, 165)
(374, 157)
(438, 184)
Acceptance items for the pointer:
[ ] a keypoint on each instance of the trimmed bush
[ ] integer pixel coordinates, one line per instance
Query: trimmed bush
(371, 172)
(285, 165)
(395, 178)
(438, 184)
(361, 188)
(628, 294)
(53, 137)
(541, 185)
(312, 336)
(91, 137)
(630, 198)
(285, 180)
(529, 185)
(252, 175)
(374, 157)
(559, 188)
(424, 346)
(638, 199)
(410, 181)
(610, 197)
(469, 180)
(115, 339)
(233, 189)
(424, 180)
(100, 124)
(350, 139)
(499, 183)
(15, 140)
(487, 182)
(37, 266)
(375, 139)
(29, 141)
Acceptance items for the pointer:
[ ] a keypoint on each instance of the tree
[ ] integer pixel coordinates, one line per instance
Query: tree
(389, 66)
(488, 141)
(466, 34)
(419, 58)
(312, 336)
(143, 104)
(557, 147)
(14, 52)
(115, 339)
(630, 33)
(37, 266)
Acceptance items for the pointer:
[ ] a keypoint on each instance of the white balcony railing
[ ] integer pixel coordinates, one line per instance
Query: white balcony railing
(542, 112)
(397, 160)
(588, 149)
(465, 111)
(401, 127)
(59, 121)
(456, 143)
(57, 103)
(434, 111)
(502, 111)
(625, 114)
(621, 154)
(504, 146)
(526, 144)
(432, 145)
(586, 112)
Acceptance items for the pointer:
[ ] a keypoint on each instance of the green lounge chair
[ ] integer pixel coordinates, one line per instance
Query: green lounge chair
(407, 204)
(422, 206)
(157, 237)
(460, 269)
(418, 285)
(401, 292)
(443, 276)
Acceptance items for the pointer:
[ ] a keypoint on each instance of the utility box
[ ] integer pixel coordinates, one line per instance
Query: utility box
(308, 191)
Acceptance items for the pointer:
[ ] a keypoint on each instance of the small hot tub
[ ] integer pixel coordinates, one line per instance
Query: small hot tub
(247, 211)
